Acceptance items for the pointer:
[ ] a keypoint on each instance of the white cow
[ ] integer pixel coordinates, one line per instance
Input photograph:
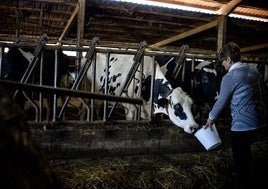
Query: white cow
(173, 102)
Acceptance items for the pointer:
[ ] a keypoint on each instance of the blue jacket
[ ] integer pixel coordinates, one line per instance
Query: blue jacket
(241, 90)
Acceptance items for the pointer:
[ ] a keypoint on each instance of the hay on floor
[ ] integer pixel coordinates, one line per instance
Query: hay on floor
(208, 170)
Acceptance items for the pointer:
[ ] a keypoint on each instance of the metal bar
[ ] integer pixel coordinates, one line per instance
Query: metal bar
(87, 108)
(132, 71)
(1, 59)
(34, 105)
(179, 62)
(105, 104)
(82, 72)
(55, 85)
(93, 64)
(125, 50)
(151, 100)
(33, 63)
(41, 83)
(192, 70)
(138, 112)
(64, 91)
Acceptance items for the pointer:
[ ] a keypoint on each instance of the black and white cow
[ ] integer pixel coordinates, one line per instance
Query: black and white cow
(173, 102)
(205, 87)
(16, 61)
(199, 81)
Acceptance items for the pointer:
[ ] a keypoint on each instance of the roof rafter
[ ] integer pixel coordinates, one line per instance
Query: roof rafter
(186, 34)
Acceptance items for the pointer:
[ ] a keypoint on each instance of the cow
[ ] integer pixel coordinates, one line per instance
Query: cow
(16, 61)
(205, 88)
(201, 82)
(173, 102)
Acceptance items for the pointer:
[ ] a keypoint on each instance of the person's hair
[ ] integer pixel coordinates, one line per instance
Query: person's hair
(231, 50)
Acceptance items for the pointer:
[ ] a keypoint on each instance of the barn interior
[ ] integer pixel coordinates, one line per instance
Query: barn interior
(202, 25)
(149, 150)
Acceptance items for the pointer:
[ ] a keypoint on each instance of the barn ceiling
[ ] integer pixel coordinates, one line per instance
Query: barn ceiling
(127, 24)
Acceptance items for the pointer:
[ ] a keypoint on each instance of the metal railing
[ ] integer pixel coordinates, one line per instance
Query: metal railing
(78, 93)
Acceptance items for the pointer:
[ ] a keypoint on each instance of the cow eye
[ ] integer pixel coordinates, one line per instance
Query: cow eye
(179, 111)
(177, 106)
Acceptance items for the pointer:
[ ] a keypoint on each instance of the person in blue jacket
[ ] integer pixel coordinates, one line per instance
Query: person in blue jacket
(240, 90)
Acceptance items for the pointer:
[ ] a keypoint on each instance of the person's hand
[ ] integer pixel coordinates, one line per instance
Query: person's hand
(209, 123)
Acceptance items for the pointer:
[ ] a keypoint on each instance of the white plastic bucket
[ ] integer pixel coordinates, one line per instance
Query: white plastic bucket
(208, 137)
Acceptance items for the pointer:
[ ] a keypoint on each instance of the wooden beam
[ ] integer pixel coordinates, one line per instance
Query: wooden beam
(221, 32)
(228, 8)
(223, 12)
(80, 32)
(186, 34)
(81, 20)
(41, 16)
(70, 21)
(254, 47)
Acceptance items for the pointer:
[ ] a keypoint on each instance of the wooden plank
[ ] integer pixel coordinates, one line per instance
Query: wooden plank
(70, 22)
(186, 34)
(81, 21)
(80, 32)
(254, 47)
(228, 8)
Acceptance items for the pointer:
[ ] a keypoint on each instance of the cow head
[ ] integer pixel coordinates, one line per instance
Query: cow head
(173, 102)
(177, 105)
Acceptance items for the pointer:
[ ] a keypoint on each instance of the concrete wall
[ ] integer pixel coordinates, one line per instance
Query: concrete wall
(92, 141)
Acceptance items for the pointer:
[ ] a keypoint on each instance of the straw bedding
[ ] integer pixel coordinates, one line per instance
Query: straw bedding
(181, 171)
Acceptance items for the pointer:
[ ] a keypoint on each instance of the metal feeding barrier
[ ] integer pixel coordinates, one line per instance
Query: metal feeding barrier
(137, 61)
(82, 72)
(139, 53)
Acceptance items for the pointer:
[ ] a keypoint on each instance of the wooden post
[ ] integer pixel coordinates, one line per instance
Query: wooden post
(80, 32)
(221, 32)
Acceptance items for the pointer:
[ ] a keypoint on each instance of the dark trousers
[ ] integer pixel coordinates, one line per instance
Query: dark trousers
(241, 142)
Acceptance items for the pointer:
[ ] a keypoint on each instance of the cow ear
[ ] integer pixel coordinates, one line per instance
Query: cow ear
(162, 102)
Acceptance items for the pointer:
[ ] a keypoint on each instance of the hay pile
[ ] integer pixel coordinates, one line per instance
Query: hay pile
(208, 170)
(200, 170)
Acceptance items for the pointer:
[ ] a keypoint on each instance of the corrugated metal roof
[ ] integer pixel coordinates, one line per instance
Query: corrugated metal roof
(216, 5)
(117, 22)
